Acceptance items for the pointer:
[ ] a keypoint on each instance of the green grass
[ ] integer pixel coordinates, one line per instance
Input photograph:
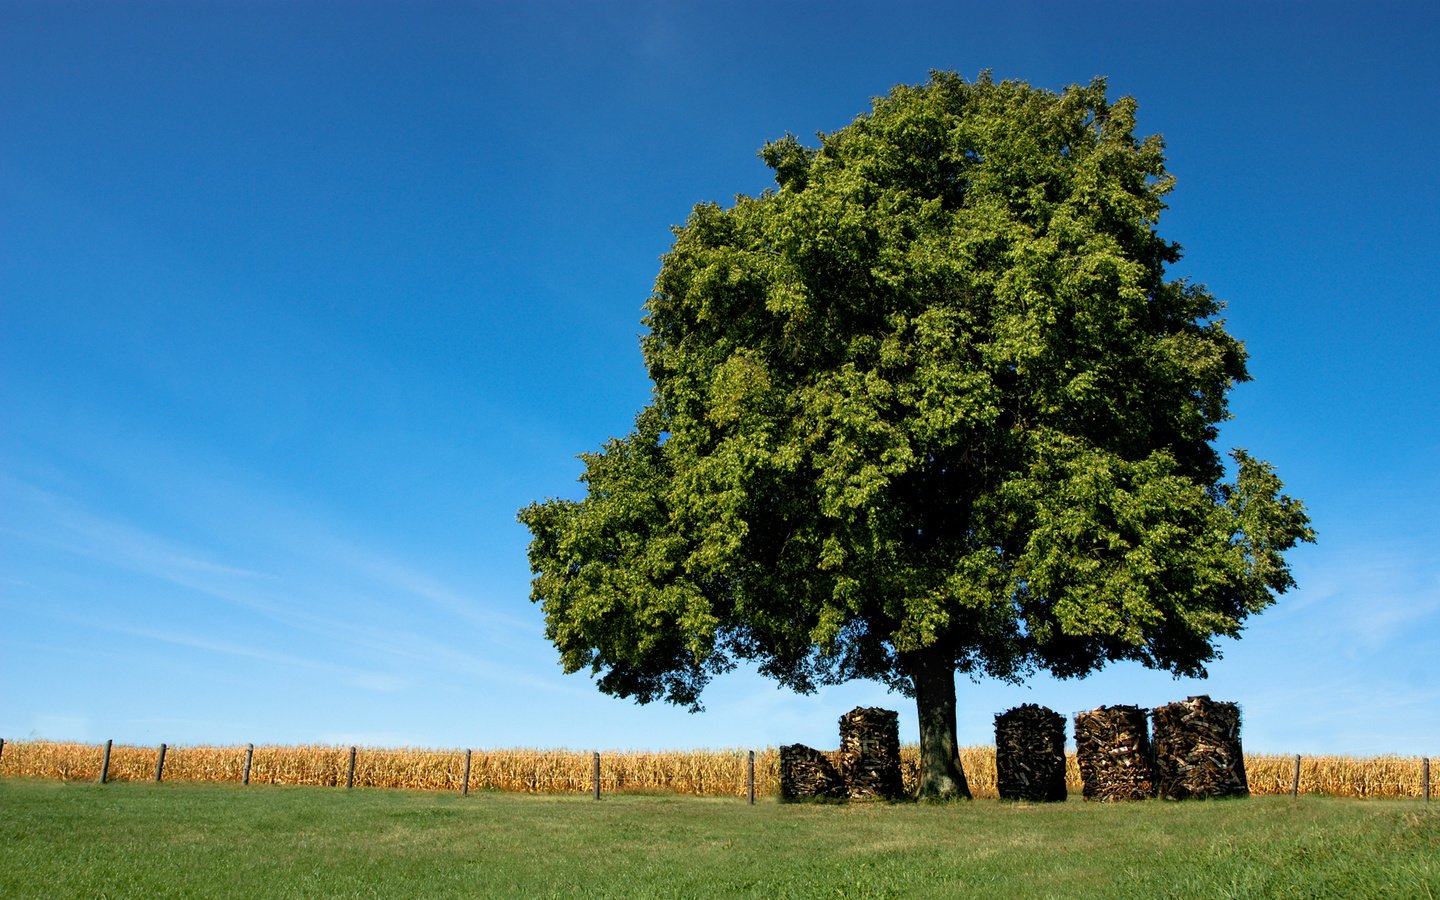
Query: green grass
(146, 840)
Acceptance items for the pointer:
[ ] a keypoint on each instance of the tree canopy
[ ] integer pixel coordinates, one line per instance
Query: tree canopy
(931, 404)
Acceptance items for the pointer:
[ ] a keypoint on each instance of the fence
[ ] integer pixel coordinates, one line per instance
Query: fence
(712, 773)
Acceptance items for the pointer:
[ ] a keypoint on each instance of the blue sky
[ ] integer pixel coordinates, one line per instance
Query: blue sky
(300, 302)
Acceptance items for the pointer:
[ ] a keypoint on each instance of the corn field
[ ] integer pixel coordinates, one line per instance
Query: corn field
(712, 773)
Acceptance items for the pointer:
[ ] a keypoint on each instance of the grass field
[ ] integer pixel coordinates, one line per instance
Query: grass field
(147, 840)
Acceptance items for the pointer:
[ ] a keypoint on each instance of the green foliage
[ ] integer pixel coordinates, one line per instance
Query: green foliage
(934, 392)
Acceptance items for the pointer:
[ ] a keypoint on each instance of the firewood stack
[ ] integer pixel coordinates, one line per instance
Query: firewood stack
(807, 774)
(1112, 746)
(1197, 750)
(870, 754)
(1030, 754)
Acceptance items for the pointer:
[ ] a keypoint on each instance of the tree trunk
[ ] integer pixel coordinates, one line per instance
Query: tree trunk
(933, 677)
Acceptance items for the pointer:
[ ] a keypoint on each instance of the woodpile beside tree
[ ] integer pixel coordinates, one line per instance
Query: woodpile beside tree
(1197, 750)
(808, 774)
(870, 754)
(1030, 754)
(1112, 747)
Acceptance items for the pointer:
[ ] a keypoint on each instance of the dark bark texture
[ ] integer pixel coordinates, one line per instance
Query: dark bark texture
(933, 676)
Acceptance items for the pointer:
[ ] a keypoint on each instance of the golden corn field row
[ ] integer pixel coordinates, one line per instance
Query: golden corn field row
(699, 772)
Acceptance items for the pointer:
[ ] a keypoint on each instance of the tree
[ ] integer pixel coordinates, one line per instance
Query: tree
(929, 405)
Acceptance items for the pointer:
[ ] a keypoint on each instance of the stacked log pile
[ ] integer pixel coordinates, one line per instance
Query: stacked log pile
(1112, 746)
(1197, 750)
(808, 774)
(870, 754)
(1030, 754)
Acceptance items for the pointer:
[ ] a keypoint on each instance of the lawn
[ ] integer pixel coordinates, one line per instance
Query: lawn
(147, 840)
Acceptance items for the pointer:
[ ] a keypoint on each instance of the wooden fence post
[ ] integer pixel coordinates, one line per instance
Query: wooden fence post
(465, 781)
(1425, 776)
(350, 776)
(750, 778)
(596, 774)
(105, 763)
(1295, 784)
(160, 764)
(249, 755)
(2, 748)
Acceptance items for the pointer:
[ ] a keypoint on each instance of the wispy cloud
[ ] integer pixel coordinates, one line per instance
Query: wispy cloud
(381, 682)
(1368, 597)
(403, 580)
(313, 588)
(59, 523)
